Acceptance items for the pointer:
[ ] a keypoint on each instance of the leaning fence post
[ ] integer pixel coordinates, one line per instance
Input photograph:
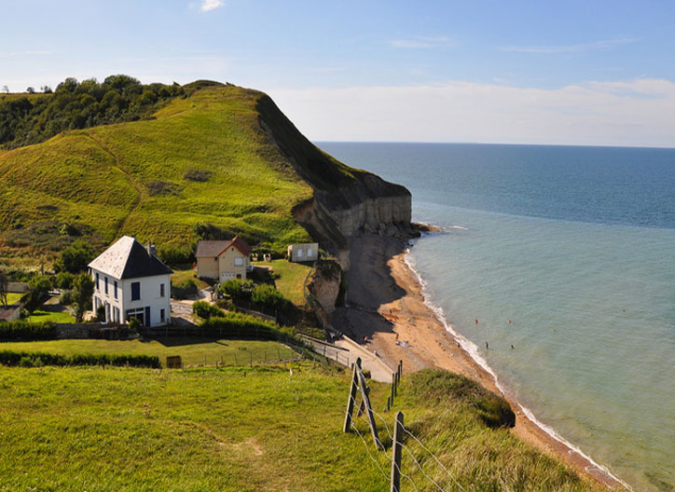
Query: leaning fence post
(396, 454)
(400, 369)
(352, 397)
(369, 410)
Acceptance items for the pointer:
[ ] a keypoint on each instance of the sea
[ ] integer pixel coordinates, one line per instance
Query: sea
(556, 267)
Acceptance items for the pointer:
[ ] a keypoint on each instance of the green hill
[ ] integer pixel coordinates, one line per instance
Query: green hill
(218, 161)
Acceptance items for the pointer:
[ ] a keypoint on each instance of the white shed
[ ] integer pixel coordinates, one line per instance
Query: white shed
(298, 253)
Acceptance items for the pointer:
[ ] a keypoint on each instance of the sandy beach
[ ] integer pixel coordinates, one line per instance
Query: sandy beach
(385, 305)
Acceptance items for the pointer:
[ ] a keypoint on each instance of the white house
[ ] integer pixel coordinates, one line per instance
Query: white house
(223, 260)
(131, 282)
(303, 252)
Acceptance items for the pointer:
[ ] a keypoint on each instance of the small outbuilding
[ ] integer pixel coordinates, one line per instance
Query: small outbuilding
(223, 260)
(298, 253)
(131, 282)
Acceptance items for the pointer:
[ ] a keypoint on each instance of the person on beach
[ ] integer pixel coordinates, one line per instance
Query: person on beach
(476, 322)
(487, 346)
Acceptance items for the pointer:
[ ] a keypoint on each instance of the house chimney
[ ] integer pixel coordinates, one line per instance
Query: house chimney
(151, 249)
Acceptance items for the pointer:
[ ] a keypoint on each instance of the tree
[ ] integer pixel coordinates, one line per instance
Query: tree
(5, 89)
(83, 290)
(30, 90)
(46, 89)
(3, 288)
(75, 258)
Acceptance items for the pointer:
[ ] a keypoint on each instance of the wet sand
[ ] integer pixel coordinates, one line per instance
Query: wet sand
(385, 305)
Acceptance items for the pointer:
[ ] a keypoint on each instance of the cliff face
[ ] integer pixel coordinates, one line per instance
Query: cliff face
(346, 200)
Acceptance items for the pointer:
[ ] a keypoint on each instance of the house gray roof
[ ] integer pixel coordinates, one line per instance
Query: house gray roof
(127, 258)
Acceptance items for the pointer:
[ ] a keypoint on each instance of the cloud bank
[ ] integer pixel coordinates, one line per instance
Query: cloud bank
(628, 113)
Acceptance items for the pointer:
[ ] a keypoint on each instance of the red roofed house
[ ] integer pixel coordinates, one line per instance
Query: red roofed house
(223, 260)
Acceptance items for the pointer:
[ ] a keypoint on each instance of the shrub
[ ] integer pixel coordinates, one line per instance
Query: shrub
(64, 280)
(39, 288)
(38, 359)
(23, 330)
(237, 290)
(175, 255)
(135, 325)
(75, 258)
(267, 297)
(185, 289)
(235, 325)
(66, 297)
(205, 310)
(197, 175)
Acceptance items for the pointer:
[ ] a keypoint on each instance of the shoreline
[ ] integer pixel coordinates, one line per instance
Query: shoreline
(386, 304)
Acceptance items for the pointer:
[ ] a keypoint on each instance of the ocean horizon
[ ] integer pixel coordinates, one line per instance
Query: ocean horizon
(555, 265)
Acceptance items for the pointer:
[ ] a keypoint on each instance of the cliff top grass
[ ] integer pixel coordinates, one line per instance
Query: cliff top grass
(204, 165)
(237, 429)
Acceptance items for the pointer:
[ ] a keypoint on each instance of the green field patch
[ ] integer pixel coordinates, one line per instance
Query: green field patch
(45, 315)
(289, 278)
(193, 351)
(13, 297)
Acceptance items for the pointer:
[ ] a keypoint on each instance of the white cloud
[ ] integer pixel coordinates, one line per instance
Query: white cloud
(632, 113)
(208, 5)
(602, 45)
(422, 42)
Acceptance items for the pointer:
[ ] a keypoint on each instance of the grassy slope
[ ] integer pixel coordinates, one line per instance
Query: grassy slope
(116, 429)
(191, 350)
(291, 278)
(99, 178)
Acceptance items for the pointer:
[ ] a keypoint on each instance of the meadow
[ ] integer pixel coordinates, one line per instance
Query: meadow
(243, 429)
(194, 351)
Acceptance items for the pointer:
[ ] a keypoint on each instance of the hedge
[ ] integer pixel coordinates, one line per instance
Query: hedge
(234, 325)
(12, 358)
(24, 330)
(205, 310)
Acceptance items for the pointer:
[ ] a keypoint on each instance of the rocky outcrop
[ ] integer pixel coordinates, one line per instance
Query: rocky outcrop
(325, 285)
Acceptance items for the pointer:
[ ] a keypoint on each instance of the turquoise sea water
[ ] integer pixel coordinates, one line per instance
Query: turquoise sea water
(574, 245)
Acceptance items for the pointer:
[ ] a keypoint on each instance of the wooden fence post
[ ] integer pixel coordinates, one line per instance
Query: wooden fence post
(352, 397)
(396, 454)
(369, 410)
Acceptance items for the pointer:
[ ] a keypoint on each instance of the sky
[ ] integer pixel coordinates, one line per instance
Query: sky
(591, 72)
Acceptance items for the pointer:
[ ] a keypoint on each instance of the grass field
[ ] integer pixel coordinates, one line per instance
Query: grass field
(96, 429)
(193, 351)
(42, 316)
(13, 297)
(181, 274)
(291, 278)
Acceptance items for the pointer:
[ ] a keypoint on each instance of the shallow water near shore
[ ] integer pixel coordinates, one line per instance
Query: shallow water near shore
(576, 248)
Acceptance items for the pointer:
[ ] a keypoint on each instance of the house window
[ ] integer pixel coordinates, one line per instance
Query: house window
(161, 290)
(238, 262)
(309, 252)
(106, 285)
(97, 287)
(135, 291)
(162, 316)
(115, 289)
(299, 253)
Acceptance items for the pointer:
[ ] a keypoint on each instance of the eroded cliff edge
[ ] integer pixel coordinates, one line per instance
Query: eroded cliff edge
(346, 201)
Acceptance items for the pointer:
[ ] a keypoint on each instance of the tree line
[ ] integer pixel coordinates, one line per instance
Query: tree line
(75, 105)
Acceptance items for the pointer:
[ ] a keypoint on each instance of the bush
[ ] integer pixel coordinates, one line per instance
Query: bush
(75, 258)
(237, 290)
(39, 288)
(64, 280)
(135, 325)
(205, 310)
(175, 255)
(66, 297)
(267, 297)
(23, 330)
(38, 359)
(185, 289)
(235, 325)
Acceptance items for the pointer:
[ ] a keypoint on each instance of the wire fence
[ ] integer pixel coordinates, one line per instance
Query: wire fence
(421, 479)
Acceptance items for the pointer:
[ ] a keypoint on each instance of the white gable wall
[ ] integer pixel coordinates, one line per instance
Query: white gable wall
(150, 297)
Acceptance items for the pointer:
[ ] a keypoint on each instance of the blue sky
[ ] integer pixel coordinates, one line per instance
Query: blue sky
(587, 72)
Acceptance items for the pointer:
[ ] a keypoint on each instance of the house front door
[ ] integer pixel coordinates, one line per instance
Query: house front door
(147, 316)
